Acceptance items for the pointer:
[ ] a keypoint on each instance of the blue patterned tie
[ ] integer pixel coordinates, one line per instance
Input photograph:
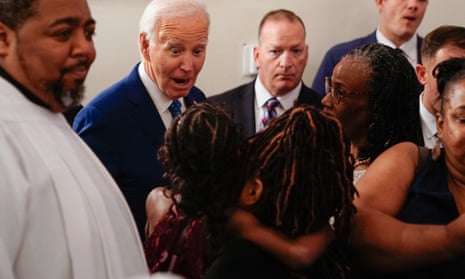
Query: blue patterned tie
(175, 108)
(270, 111)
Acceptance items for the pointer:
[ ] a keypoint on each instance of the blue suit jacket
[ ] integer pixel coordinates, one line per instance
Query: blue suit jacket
(335, 54)
(124, 129)
(239, 102)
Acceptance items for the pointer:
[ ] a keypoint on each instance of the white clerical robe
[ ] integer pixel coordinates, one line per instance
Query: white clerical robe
(61, 213)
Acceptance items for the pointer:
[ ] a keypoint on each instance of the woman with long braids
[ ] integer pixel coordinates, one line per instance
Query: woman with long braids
(372, 92)
(303, 190)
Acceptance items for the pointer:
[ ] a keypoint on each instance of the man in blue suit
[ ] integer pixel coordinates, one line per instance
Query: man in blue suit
(125, 124)
(399, 21)
(281, 57)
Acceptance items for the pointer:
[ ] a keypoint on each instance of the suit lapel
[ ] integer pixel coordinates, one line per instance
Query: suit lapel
(144, 112)
(244, 109)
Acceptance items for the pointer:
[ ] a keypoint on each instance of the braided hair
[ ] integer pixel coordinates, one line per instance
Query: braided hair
(393, 99)
(307, 176)
(201, 157)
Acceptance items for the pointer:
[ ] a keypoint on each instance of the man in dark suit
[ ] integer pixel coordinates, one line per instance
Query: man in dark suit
(125, 124)
(399, 21)
(281, 57)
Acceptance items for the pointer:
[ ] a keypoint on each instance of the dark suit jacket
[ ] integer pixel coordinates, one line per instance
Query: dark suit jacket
(124, 129)
(239, 103)
(335, 54)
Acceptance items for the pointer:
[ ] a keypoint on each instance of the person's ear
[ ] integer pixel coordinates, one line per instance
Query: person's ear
(306, 54)
(379, 4)
(5, 39)
(256, 53)
(144, 46)
(251, 192)
(421, 73)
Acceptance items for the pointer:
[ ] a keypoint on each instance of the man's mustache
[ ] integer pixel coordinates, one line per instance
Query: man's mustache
(82, 63)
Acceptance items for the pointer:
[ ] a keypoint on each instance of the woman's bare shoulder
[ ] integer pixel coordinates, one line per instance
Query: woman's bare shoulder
(403, 151)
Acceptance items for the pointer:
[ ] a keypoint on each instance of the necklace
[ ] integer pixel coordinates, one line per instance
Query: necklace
(359, 162)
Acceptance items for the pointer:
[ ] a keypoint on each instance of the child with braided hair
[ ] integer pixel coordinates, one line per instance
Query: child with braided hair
(204, 159)
(186, 218)
(303, 189)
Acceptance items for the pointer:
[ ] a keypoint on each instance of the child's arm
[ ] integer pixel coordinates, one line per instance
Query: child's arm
(295, 253)
(157, 204)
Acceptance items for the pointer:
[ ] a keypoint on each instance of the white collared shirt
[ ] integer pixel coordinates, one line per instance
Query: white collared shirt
(161, 101)
(428, 125)
(409, 47)
(262, 95)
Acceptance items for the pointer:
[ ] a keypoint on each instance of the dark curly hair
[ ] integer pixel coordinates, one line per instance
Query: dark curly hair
(13, 13)
(201, 157)
(307, 178)
(393, 99)
(448, 73)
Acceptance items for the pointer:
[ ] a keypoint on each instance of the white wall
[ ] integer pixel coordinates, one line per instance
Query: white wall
(233, 24)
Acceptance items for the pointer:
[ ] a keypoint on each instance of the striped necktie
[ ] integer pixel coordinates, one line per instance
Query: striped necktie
(270, 111)
(175, 108)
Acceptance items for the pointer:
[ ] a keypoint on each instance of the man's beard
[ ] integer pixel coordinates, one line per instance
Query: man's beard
(68, 97)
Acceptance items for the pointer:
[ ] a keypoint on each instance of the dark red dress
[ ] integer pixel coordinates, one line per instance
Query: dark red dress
(177, 245)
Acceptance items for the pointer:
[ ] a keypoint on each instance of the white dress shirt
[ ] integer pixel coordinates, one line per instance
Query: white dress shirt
(409, 47)
(161, 101)
(262, 95)
(428, 125)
